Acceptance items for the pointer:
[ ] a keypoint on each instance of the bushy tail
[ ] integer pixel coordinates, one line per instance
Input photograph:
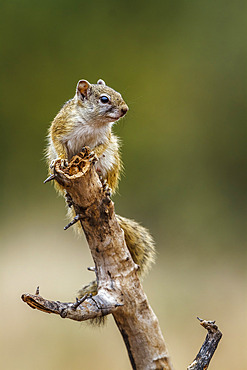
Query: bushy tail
(139, 242)
(141, 246)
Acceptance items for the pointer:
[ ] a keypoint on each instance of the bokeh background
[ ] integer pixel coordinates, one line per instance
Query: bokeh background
(181, 67)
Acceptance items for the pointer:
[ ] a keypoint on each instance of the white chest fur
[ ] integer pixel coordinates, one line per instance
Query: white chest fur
(105, 162)
(85, 135)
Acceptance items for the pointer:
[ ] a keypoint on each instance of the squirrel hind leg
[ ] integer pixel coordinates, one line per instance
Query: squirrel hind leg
(91, 288)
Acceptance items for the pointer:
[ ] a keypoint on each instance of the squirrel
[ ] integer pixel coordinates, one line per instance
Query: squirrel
(87, 120)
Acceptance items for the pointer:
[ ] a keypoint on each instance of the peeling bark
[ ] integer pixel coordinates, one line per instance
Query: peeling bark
(120, 292)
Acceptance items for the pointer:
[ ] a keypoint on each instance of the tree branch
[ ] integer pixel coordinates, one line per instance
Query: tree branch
(81, 310)
(209, 346)
(119, 289)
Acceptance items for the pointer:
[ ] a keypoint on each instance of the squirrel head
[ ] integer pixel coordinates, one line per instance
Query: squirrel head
(99, 102)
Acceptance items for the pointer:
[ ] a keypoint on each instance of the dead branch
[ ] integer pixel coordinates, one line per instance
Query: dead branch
(84, 309)
(119, 289)
(209, 346)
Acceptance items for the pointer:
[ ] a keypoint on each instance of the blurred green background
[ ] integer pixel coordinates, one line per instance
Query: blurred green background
(181, 67)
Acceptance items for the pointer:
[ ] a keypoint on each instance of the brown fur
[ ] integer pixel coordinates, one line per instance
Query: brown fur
(86, 112)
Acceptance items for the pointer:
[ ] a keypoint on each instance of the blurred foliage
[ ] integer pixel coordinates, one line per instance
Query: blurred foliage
(181, 67)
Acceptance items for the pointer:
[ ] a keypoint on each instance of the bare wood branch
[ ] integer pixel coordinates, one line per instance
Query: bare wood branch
(209, 346)
(119, 289)
(89, 308)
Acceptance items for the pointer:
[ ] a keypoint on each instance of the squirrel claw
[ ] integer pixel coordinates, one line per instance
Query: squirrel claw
(107, 189)
(84, 149)
(91, 154)
(108, 193)
(92, 157)
(64, 163)
(69, 200)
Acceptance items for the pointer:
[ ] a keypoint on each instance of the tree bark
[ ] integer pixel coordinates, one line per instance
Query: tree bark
(208, 347)
(120, 292)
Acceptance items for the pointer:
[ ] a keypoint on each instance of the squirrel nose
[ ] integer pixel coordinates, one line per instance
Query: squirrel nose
(124, 110)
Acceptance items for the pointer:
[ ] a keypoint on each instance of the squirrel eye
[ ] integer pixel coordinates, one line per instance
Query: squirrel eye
(104, 99)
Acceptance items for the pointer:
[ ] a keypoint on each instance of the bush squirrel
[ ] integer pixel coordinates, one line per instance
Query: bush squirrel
(86, 120)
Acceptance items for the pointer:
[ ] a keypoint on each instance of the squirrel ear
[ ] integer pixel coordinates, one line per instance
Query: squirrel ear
(101, 82)
(82, 87)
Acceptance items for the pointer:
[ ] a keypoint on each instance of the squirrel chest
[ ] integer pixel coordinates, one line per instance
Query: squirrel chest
(85, 135)
(86, 120)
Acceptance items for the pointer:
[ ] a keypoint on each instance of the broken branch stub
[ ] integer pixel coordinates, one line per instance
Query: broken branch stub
(119, 289)
(87, 309)
(204, 356)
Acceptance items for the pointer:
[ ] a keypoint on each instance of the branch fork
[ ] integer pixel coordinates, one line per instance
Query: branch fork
(120, 292)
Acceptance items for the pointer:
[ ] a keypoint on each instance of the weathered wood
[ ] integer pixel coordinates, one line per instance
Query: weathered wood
(119, 289)
(90, 308)
(204, 356)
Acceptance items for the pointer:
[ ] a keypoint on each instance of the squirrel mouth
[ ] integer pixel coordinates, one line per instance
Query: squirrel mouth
(116, 117)
(121, 113)
(116, 114)
(124, 111)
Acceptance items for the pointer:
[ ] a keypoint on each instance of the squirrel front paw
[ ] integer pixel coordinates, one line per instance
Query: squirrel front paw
(64, 163)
